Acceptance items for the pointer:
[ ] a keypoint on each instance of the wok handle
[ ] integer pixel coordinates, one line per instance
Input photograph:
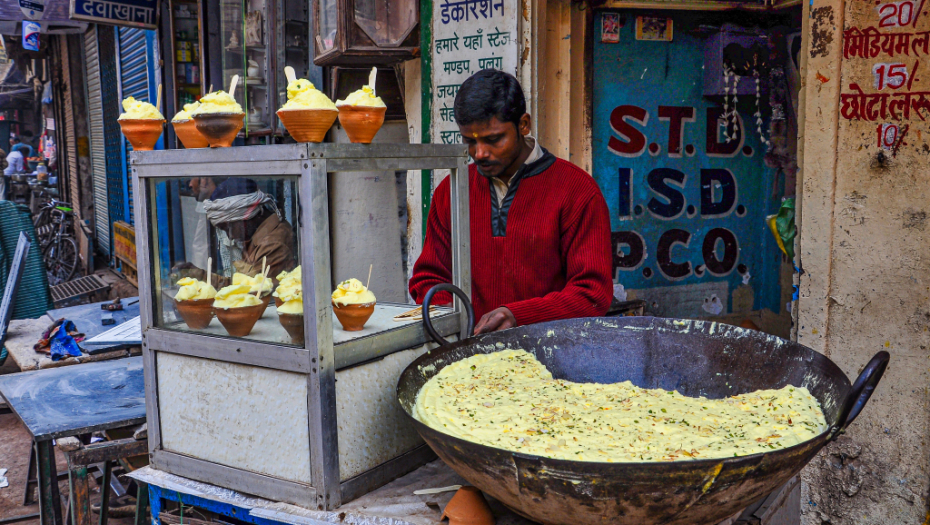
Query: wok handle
(428, 323)
(861, 391)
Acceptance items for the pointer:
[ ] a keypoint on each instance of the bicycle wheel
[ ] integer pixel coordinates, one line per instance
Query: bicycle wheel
(61, 260)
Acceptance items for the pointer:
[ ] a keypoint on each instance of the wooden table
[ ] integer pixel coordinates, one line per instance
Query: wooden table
(23, 334)
(64, 402)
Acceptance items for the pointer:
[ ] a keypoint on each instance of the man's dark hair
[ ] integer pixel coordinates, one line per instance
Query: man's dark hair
(489, 93)
(234, 186)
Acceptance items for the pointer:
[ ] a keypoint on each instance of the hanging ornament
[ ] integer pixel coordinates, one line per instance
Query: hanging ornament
(726, 107)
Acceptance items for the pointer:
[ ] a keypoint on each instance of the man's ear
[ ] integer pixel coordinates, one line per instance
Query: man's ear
(526, 125)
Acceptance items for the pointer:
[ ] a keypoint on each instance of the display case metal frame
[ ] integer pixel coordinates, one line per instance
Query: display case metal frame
(319, 359)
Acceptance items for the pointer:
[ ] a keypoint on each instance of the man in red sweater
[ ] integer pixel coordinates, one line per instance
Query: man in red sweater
(540, 229)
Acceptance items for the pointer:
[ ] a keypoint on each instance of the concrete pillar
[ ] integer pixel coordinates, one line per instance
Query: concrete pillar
(365, 225)
(864, 250)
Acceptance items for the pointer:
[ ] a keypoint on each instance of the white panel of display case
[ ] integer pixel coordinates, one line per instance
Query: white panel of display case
(236, 415)
(372, 426)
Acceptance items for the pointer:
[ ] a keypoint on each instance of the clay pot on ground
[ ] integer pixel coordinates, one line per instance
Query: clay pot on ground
(353, 317)
(239, 322)
(468, 507)
(141, 133)
(294, 325)
(196, 313)
(308, 125)
(361, 122)
(187, 133)
(220, 129)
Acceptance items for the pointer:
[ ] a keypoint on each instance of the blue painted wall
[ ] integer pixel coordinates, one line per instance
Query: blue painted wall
(688, 225)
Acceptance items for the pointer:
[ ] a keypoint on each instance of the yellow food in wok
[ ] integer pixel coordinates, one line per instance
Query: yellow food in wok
(509, 400)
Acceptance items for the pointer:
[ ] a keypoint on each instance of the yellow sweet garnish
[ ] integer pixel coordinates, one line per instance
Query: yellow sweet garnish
(289, 283)
(352, 292)
(192, 289)
(139, 110)
(253, 282)
(235, 296)
(298, 86)
(217, 102)
(185, 114)
(509, 400)
(293, 303)
(362, 97)
(310, 99)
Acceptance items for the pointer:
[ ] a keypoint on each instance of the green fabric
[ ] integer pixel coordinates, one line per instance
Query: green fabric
(33, 298)
(784, 223)
(3, 355)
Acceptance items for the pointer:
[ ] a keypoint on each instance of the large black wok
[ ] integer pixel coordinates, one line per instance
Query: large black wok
(697, 359)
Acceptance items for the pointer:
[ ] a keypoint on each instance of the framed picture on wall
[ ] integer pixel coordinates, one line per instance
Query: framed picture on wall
(610, 28)
(652, 28)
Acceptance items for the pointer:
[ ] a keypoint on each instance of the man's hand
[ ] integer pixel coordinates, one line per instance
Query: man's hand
(499, 319)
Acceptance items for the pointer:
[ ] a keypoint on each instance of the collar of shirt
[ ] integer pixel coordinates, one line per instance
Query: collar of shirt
(501, 187)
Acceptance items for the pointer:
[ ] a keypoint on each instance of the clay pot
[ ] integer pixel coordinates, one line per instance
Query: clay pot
(239, 322)
(141, 133)
(308, 125)
(220, 129)
(266, 300)
(294, 324)
(468, 507)
(361, 122)
(197, 313)
(353, 316)
(187, 133)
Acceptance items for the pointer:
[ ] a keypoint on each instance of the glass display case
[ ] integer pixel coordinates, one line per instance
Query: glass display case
(186, 26)
(260, 37)
(254, 223)
(365, 32)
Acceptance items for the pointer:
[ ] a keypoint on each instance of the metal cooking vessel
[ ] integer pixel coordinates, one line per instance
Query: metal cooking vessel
(694, 357)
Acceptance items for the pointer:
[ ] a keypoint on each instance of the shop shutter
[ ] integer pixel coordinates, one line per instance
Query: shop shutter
(67, 134)
(135, 55)
(97, 140)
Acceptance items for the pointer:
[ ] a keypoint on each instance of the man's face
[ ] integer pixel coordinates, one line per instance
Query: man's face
(235, 230)
(207, 187)
(495, 146)
(194, 185)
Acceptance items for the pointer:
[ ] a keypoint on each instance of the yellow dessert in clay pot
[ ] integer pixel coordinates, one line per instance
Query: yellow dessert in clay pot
(353, 304)
(237, 309)
(194, 302)
(509, 400)
(186, 129)
(361, 114)
(219, 118)
(288, 283)
(141, 124)
(291, 314)
(254, 283)
(308, 113)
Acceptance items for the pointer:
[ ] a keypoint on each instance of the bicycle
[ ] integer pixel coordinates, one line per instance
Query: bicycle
(60, 251)
(42, 219)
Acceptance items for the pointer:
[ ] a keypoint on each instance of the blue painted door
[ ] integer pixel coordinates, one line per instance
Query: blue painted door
(687, 207)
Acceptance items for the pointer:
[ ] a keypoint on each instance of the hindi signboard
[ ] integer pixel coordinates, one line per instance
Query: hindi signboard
(133, 13)
(468, 36)
(33, 9)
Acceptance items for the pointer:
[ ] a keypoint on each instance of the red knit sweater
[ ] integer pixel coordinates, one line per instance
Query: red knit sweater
(554, 261)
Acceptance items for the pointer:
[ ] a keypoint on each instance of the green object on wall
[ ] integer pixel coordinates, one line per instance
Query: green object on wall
(784, 223)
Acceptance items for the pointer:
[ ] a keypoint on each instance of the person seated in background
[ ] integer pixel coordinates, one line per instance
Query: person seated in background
(249, 217)
(18, 145)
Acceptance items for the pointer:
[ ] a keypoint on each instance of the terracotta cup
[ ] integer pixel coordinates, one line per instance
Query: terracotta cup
(197, 313)
(361, 122)
(239, 322)
(266, 300)
(468, 507)
(141, 133)
(187, 133)
(220, 129)
(294, 325)
(353, 316)
(278, 302)
(308, 125)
